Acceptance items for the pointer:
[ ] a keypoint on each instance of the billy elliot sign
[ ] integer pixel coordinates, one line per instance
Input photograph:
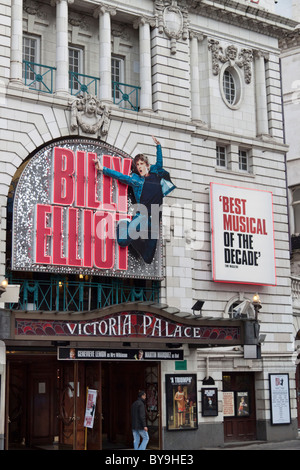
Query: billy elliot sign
(243, 249)
(66, 213)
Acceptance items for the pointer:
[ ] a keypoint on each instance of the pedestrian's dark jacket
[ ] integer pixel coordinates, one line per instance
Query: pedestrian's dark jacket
(138, 414)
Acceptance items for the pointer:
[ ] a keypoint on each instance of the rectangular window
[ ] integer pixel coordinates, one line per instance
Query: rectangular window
(221, 159)
(117, 76)
(75, 66)
(31, 54)
(243, 160)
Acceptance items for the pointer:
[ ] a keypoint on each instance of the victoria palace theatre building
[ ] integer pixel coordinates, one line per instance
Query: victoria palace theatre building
(197, 308)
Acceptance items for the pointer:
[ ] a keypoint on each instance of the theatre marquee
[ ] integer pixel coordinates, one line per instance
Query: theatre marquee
(66, 212)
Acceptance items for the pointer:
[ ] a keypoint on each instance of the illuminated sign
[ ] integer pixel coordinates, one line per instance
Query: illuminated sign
(243, 249)
(127, 325)
(66, 213)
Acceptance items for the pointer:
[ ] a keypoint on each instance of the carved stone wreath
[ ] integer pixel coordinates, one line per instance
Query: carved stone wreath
(231, 55)
(172, 20)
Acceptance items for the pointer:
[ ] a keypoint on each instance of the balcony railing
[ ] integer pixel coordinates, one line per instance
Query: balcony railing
(41, 78)
(80, 83)
(38, 77)
(126, 96)
(64, 295)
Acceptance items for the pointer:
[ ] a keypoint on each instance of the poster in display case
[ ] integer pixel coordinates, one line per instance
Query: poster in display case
(181, 402)
(280, 398)
(209, 400)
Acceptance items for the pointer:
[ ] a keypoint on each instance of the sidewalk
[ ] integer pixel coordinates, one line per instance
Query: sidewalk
(261, 445)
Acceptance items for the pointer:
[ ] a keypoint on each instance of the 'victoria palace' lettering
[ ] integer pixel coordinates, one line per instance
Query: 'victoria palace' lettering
(125, 324)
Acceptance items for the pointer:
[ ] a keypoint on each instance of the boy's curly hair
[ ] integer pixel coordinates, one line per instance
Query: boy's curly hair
(138, 157)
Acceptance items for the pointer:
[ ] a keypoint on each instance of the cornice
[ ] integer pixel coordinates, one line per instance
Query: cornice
(251, 17)
(290, 40)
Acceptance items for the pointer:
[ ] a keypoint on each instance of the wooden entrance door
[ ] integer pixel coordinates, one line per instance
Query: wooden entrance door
(241, 425)
(41, 408)
(120, 385)
(31, 411)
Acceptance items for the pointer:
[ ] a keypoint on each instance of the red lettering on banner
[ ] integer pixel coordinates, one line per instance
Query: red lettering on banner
(73, 260)
(234, 205)
(88, 240)
(92, 202)
(57, 245)
(122, 199)
(63, 181)
(122, 252)
(81, 179)
(78, 229)
(108, 203)
(104, 247)
(43, 232)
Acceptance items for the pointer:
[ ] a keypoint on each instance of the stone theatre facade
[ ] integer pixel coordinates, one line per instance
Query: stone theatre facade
(210, 317)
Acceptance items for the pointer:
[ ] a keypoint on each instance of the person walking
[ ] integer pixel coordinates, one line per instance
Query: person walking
(138, 421)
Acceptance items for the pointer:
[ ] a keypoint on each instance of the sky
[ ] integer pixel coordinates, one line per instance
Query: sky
(284, 8)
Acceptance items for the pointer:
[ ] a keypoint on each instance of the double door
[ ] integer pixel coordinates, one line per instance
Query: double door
(47, 403)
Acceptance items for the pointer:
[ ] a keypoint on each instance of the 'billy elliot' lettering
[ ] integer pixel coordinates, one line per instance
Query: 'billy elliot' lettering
(78, 227)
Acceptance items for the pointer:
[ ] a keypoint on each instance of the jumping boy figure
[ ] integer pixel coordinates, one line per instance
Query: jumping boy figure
(150, 184)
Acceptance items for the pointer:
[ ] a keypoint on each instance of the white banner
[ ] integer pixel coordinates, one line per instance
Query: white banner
(90, 408)
(243, 249)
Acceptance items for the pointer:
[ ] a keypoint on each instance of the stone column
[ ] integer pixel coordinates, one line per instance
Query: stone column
(195, 81)
(16, 57)
(261, 94)
(105, 12)
(144, 24)
(62, 47)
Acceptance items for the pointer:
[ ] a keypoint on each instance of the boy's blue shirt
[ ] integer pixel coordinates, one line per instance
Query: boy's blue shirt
(137, 181)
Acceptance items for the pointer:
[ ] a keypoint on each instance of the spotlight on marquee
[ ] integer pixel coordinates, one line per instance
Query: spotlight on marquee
(3, 286)
(256, 304)
(197, 307)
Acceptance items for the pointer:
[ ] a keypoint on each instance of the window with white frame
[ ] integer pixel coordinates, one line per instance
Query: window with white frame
(76, 67)
(243, 160)
(231, 86)
(31, 57)
(221, 156)
(117, 75)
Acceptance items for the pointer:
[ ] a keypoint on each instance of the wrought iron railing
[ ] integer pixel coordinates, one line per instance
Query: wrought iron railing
(65, 295)
(41, 78)
(38, 77)
(126, 96)
(80, 83)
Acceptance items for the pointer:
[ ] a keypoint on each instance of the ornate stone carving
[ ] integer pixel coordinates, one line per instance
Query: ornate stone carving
(35, 9)
(119, 30)
(79, 21)
(172, 20)
(231, 55)
(89, 116)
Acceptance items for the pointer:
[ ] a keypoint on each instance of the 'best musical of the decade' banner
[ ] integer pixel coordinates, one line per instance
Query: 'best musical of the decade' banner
(242, 230)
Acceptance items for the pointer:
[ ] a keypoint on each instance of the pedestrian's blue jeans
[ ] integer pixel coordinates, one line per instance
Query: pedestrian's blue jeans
(137, 434)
